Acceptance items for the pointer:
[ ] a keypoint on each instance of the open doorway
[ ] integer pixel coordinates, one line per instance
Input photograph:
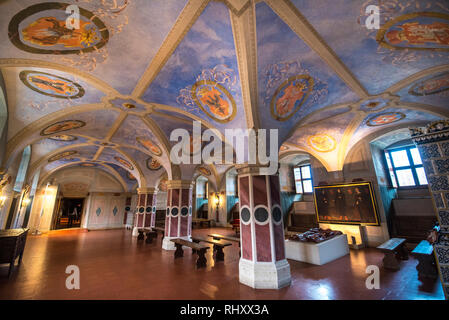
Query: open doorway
(69, 213)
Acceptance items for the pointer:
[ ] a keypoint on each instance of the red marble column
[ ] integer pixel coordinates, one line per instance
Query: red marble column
(262, 264)
(146, 209)
(178, 218)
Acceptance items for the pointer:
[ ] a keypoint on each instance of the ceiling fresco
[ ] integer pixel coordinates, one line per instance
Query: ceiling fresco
(115, 88)
(201, 77)
(293, 80)
(406, 43)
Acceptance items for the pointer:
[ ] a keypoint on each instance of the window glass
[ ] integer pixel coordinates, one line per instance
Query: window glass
(405, 177)
(391, 171)
(400, 158)
(307, 185)
(421, 176)
(298, 187)
(305, 172)
(416, 156)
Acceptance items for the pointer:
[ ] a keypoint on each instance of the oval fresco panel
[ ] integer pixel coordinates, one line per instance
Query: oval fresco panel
(51, 85)
(130, 176)
(61, 126)
(42, 29)
(124, 163)
(416, 31)
(88, 165)
(149, 145)
(214, 100)
(384, 118)
(63, 137)
(62, 155)
(322, 142)
(153, 164)
(434, 85)
(204, 171)
(163, 185)
(290, 96)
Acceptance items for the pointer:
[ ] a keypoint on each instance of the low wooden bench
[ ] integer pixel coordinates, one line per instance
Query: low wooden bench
(426, 260)
(394, 251)
(217, 236)
(218, 246)
(200, 249)
(161, 230)
(201, 221)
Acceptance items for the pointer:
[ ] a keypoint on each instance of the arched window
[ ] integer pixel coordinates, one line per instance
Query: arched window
(405, 167)
(21, 173)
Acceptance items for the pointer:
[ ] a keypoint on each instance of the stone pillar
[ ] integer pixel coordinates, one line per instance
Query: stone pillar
(262, 264)
(178, 218)
(145, 209)
(433, 145)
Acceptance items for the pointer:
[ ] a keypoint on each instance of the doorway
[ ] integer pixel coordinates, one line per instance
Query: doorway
(69, 213)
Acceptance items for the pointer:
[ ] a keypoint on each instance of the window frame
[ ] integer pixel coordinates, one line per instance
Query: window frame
(303, 179)
(412, 166)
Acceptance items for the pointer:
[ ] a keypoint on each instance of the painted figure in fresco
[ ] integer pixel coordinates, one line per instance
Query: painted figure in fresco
(149, 145)
(362, 205)
(293, 93)
(212, 97)
(322, 142)
(415, 33)
(340, 203)
(50, 31)
(324, 203)
(47, 84)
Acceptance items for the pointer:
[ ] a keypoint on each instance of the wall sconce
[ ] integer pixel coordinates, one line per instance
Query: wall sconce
(217, 203)
(2, 201)
(25, 202)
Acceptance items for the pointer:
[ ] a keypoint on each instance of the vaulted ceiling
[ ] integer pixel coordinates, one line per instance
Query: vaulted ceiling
(110, 93)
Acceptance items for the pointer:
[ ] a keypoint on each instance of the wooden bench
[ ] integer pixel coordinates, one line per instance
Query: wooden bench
(199, 249)
(217, 236)
(426, 260)
(394, 251)
(161, 230)
(200, 221)
(218, 246)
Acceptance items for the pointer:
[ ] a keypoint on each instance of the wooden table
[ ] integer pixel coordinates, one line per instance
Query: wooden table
(427, 265)
(394, 251)
(12, 245)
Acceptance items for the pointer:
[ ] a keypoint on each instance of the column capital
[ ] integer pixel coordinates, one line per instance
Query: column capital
(179, 184)
(146, 190)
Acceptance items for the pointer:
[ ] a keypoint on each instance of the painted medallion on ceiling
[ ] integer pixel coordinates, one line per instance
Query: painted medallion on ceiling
(284, 148)
(124, 162)
(149, 145)
(290, 96)
(42, 29)
(63, 137)
(153, 164)
(416, 31)
(385, 118)
(204, 171)
(62, 126)
(66, 155)
(322, 143)
(211, 94)
(88, 165)
(434, 85)
(163, 185)
(51, 85)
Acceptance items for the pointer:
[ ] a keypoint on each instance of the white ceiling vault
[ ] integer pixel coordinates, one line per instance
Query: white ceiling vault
(109, 93)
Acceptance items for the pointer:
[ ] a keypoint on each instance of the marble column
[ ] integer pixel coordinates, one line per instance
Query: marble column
(433, 145)
(178, 218)
(145, 209)
(262, 264)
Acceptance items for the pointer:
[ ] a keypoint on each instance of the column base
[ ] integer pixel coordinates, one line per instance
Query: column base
(168, 245)
(264, 275)
(135, 233)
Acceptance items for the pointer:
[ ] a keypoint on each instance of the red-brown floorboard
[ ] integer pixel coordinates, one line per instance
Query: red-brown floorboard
(113, 265)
